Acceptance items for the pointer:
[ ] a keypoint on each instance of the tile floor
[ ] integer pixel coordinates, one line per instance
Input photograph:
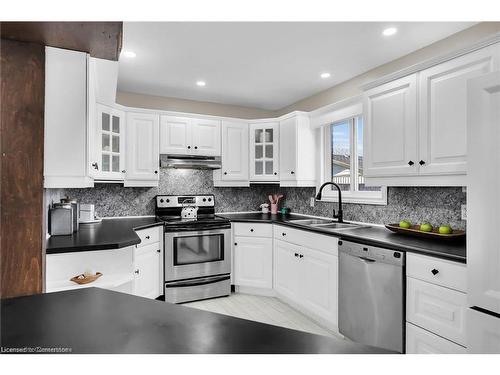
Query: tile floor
(262, 309)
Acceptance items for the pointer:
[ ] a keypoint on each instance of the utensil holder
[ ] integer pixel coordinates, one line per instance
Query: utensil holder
(274, 208)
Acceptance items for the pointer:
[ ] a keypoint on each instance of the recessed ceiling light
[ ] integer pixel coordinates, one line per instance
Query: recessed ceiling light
(201, 83)
(390, 31)
(325, 75)
(129, 54)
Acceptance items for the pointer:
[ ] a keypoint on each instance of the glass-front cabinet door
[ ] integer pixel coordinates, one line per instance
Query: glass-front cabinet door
(110, 143)
(264, 152)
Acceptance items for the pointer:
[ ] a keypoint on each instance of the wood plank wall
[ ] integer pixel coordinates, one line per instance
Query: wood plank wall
(21, 196)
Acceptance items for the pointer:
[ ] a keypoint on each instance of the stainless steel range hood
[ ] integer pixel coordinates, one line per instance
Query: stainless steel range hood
(190, 162)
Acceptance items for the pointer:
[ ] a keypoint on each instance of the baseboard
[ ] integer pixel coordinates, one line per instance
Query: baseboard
(255, 291)
(318, 319)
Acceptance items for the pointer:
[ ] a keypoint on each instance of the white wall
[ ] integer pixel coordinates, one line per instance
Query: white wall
(351, 87)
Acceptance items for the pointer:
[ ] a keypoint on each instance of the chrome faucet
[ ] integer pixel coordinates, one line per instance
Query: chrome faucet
(339, 215)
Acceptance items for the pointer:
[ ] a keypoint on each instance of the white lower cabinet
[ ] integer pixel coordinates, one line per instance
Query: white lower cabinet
(286, 269)
(421, 341)
(253, 262)
(319, 283)
(148, 264)
(483, 333)
(307, 278)
(433, 307)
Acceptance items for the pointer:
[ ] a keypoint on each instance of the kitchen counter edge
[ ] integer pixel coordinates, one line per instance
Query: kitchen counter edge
(398, 242)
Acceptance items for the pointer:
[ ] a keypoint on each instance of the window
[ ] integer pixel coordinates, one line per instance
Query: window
(344, 163)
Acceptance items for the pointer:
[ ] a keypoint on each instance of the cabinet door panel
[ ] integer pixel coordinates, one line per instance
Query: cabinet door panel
(234, 151)
(264, 152)
(438, 309)
(391, 129)
(483, 333)
(286, 278)
(288, 149)
(147, 272)
(443, 111)
(206, 136)
(420, 341)
(142, 147)
(483, 205)
(175, 135)
(319, 284)
(253, 262)
(66, 163)
(110, 143)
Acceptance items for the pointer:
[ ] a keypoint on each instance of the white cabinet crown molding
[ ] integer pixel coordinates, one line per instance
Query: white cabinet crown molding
(338, 111)
(485, 42)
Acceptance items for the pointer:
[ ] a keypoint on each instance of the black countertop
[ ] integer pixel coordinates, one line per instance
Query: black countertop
(94, 320)
(108, 234)
(118, 233)
(374, 235)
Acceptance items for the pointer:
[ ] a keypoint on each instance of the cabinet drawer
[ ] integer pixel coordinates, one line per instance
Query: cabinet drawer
(328, 244)
(420, 341)
(151, 248)
(148, 236)
(437, 271)
(437, 309)
(253, 230)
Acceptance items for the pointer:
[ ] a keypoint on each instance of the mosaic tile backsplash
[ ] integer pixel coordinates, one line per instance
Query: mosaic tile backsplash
(436, 205)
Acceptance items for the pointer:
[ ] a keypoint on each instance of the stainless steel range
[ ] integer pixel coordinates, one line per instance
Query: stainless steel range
(197, 248)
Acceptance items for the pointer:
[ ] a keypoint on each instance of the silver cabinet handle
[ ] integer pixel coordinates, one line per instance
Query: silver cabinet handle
(136, 272)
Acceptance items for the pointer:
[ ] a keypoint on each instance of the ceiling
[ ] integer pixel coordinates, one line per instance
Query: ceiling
(262, 65)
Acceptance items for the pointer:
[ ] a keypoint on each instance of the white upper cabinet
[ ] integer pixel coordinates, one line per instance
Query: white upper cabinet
(104, 80)
(391, 128)
(68, 153)
(234, 151)
(190, 136)
(175, 135)
(110, 144)
(443, 111)
(205, 135)
(483, 204)
(264, 151)
(403, 147)
(297, 152)
(142, 150)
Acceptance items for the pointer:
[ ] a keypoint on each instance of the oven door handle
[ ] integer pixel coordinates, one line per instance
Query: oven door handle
(197, 228)
(197, 282)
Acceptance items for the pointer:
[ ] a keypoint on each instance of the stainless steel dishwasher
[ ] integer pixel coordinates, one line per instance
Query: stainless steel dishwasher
(371, 295)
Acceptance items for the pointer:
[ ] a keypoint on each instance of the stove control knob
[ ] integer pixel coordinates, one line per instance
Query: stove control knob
(161, 200)
(204, 199)
(210, 199)
(168, 200)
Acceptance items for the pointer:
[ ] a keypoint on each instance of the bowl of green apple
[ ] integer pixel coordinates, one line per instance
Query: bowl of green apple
(425, 229)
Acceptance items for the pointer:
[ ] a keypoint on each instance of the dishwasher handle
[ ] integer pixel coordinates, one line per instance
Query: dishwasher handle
(366, 260)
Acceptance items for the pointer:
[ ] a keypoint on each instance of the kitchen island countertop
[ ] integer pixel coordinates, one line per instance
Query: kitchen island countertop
(95, 320)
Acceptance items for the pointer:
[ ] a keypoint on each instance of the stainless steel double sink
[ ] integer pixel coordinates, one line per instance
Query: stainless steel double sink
(325, 224)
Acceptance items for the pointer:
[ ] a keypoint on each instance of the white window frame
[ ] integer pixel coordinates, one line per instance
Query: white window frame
(351, 196)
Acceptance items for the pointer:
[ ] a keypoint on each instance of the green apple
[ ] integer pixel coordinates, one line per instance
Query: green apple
(426, 227)
(445, 229)
(404, 224)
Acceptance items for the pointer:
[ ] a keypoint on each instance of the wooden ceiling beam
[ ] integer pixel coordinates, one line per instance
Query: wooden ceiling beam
(99, 39)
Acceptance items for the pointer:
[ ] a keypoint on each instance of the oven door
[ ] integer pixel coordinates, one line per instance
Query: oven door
(190, 254)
